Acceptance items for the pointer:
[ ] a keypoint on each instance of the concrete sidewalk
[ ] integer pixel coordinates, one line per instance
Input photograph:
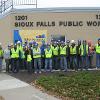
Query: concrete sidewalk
(14, 89)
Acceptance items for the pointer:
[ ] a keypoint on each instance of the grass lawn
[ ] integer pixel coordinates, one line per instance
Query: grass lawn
(76, 86)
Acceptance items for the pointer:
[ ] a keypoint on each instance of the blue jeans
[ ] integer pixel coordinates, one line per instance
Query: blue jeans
(98, 60)
(48, 64)
(37, 64)
(55, 62)
(73, 61)
(63, 63)
(1, 63)
(85, 62)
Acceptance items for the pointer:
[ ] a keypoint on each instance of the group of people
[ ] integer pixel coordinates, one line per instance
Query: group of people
(50, 56)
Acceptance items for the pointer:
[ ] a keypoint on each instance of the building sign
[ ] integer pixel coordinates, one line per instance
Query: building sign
(22, 21)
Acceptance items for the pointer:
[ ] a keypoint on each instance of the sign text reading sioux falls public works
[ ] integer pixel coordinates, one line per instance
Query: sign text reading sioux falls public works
(22, 21)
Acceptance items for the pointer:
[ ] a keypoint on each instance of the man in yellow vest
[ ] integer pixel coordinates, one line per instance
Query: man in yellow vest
(79, 54)
(37, 58)
(63, 61)
(97, 48)
(14, 53)
(84, 55)
(68, 53)
(55, 49)
(1, 56)
(48, 58)
(73, 55)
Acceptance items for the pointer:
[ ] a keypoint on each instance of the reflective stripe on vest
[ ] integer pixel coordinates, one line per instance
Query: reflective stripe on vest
(63, 50)
(55, 51)
(97, 48)
(73, 50)
(82, 50)
(15, 54)
(36, 53)
(48, 54)
(29, 58)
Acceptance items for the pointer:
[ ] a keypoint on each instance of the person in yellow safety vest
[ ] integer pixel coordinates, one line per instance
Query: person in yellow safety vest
(73, 55)
(55, 49)
(97, 49)
(78, 47)
(14, 53)
(1, 56)
(84, 55)
(63, 61)
(68, 53)
(48, 58)
(37, 58)
(20, 48)
(29, 62)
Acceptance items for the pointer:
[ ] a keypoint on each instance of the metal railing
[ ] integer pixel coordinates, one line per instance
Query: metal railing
(10, 4)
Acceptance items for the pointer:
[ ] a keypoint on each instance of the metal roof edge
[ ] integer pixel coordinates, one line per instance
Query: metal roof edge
(54, 9)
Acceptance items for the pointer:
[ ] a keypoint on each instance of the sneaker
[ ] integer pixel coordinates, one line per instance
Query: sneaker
(39, 72)
(35, 72)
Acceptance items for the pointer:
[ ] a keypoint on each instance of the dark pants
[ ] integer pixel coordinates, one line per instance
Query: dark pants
(15, 65)
(68, 61)
(8, 62)
(85, 62)
(29, 67)
(98, 60)
(43, 62)
(79, 61)
(90, 58)
(73, 62)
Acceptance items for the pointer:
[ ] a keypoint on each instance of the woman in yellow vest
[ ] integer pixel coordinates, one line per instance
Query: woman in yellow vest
(97, 48)
(37, 58)
(48, 58)
(29, 62)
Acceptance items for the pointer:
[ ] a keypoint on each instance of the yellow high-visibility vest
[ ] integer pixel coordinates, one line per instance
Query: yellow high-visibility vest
(36, 53)
(29, 58)
(48, 54)
(15, 54)
(97, 48)
(73, 50)
(55, 50)
(62, 50)
(82, 50)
